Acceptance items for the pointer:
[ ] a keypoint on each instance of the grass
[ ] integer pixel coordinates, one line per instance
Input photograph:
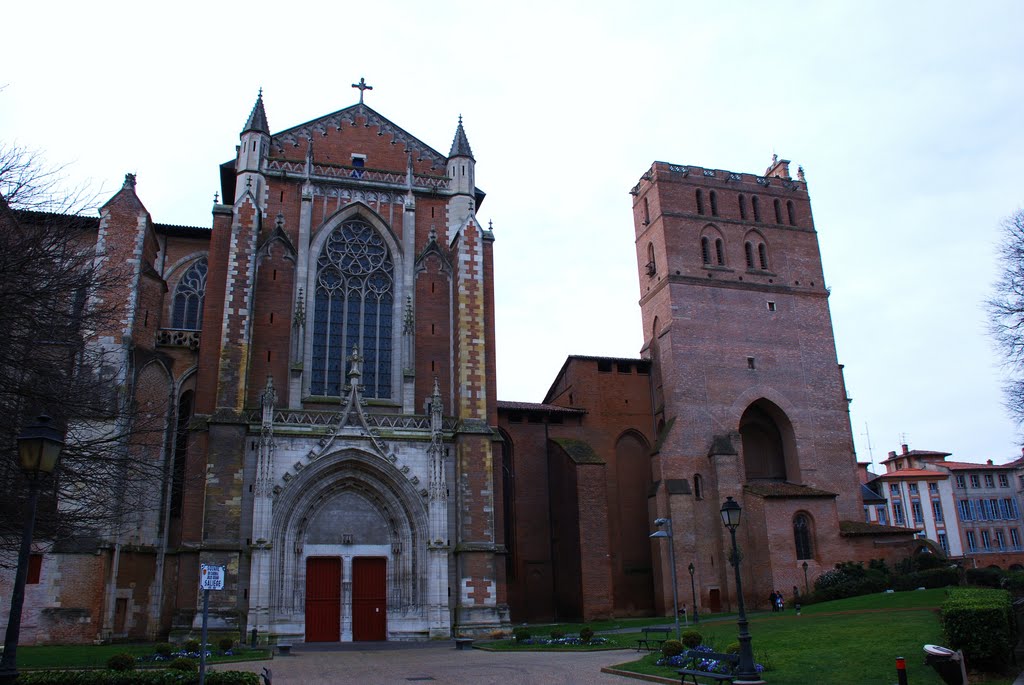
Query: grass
(846, 642)
(95, 656)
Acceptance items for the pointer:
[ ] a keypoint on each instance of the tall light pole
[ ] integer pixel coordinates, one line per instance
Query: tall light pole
(807, 590)
(693, 593)
(39, 449)
(746, 673)
(671, 560)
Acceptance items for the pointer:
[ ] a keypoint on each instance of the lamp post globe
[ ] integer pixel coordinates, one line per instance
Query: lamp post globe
(746, 672)
(39, 447)
(693, 594)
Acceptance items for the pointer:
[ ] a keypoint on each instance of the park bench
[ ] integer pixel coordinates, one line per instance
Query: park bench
(695, 657)
(652, 638)
(463, 643)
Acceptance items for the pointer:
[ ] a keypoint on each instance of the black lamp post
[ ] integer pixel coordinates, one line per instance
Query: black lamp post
(746, 673)
(672, 561)
(693, 593)
(807, 590)
(39, 449)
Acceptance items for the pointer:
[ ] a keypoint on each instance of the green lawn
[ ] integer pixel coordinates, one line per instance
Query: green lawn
(847, 642)
(95, 656)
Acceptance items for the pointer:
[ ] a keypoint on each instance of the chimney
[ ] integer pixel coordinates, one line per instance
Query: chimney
(904, 448)
(892, 455)
(989, 462)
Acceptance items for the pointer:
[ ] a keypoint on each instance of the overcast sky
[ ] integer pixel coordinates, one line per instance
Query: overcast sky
(906, 117)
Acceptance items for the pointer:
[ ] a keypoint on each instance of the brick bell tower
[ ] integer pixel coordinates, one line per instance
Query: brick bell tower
(748, 394)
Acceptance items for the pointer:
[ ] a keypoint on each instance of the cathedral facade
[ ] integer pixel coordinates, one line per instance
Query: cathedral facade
(321, 361)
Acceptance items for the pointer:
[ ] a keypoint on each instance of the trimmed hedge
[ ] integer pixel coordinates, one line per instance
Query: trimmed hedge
(932, 578)
(987, 577)
(135, 678)
(980, 622)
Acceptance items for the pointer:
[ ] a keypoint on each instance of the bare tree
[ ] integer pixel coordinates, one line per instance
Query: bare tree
(55, 295)
(1006, 311)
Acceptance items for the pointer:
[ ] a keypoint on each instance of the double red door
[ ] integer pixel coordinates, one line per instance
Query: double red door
(369, 598)
(323, 599)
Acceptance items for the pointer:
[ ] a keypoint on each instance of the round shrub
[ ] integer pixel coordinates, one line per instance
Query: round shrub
(191, 646)
(225, 644)
(163, 649)
(586, 633)
(557, 634)
(671, 648)
(121, 662)
(520, 634)
(691, 638)
(183, 664)
(733, 648)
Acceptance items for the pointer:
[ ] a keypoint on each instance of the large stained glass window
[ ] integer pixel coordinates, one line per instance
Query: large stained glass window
(188, 298)
(353, 310)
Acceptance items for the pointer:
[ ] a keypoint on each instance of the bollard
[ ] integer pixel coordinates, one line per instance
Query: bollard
(252, 640)
(798, 608)
(901, 670)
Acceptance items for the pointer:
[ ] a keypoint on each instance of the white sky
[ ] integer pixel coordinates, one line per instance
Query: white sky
(905, 116)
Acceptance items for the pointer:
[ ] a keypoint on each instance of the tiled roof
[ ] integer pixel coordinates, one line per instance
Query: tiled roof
(506, 405)
(854, 528)
(773, 489)
(579, 451)
(968, 466)
(915, 473)
(183, 231)
(917, 453)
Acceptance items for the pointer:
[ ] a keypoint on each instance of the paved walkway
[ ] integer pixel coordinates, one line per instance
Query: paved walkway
(435, 662)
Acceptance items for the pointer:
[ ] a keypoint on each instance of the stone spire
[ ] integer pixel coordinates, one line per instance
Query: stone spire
(460, 145)
(258, 118)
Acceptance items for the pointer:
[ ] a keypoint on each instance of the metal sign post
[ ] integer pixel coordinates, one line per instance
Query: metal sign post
(210, 578)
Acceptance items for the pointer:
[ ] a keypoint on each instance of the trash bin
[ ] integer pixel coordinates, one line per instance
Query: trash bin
(947, 663)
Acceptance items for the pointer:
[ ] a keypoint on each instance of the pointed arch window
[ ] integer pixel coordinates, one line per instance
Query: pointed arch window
(762, 255)
(802, 536)
(353, 310)
(720, 251)
(705, 249)
(749, 249)
(187, 313)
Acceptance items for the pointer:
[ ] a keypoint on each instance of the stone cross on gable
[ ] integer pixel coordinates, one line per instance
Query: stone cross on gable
(362, 87)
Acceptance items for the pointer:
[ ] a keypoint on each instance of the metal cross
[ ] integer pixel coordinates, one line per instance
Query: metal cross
(361, 86)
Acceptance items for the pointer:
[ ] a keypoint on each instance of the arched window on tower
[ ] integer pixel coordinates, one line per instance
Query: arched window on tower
(353, 310)
(757, 208)
(705, 249)
(743, 206)
(802, 536)
(698, 486)
(700, 201)
(778, 211)
(714, 203)
(762, 255)
(720, 251)
(749, 249)
(647, 212)
(764, 445)
(652, 267)
(187, 313)
(791, 209)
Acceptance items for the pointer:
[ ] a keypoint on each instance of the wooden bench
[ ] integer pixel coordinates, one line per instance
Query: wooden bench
(653, 638)
(463, 643)
(693, 659)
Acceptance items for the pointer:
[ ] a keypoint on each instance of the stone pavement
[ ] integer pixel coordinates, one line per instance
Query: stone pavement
(435, 662)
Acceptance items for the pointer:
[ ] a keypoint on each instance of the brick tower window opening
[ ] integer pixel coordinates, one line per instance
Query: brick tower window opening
(756, 204)
(762, 256)
(705, 250)
(743, 206)
(353, 310)
(698, 486)
(748, 249)
(714, 203)
(769, 446)
(778, 211)
(700, 201)
(802, 536)
(652, 267)
(647, 212)
(720, 251)
(771, 305)
(187, 312)
(791, 210)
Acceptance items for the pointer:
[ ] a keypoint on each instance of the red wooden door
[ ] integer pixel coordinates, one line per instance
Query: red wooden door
(323, 599)
(369, 598)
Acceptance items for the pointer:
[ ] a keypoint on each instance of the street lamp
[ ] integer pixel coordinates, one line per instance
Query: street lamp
(693, 593)
(671, 560)
(746, 673)
(807, 590)
(39, 449)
